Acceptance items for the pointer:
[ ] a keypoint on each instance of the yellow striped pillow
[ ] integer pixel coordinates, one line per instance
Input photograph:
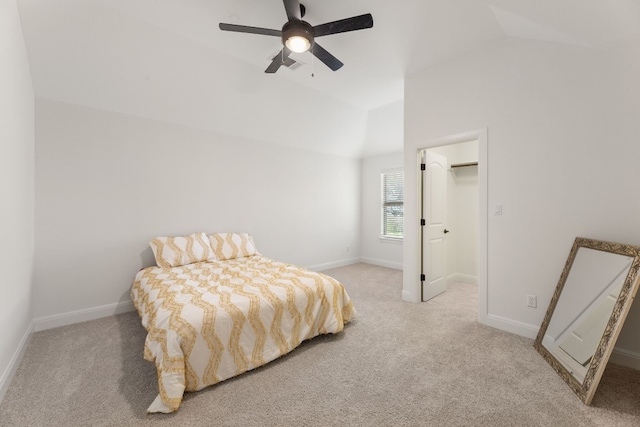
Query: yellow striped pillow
(181, 250)
(232, 245)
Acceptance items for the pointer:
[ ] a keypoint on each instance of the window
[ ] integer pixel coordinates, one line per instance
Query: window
(393, 203)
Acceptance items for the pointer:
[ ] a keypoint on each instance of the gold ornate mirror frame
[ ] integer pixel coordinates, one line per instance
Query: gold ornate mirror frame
(587, 388)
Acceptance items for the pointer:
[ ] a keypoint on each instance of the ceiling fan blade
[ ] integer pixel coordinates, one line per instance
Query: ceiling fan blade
(278, 60)
(342, 26)
(293, 9)
(250, 30)
(324, 56)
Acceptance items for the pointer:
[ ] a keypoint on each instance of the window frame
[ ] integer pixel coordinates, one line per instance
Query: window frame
(384, 203)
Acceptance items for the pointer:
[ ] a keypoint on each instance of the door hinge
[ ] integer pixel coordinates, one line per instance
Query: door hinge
(423, 167)
(423, 222)
(423, 277)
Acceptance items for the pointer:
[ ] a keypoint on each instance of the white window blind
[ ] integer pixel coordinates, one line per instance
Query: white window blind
(393, 203)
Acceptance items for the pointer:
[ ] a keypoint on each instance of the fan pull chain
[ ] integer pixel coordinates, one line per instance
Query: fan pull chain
(313, 62)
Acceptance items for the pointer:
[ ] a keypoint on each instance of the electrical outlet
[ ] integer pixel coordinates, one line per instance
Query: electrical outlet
(532, 301)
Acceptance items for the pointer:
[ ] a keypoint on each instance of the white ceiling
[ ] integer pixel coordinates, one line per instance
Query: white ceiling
(167, 60)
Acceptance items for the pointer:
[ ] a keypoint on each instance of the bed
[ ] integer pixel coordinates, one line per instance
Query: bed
(214, 308)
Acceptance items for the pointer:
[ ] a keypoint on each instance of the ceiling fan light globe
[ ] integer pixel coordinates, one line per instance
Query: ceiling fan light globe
(297, 36)
(298, 44)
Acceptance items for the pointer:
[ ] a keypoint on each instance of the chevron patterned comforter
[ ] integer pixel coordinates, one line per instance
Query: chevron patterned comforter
(210, 321)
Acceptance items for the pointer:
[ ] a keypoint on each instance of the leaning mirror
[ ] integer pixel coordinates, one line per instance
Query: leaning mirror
(587, 311)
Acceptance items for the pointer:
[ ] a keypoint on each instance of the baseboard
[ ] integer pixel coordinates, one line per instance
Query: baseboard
(382, 263)
(619, 356)
(7, 375)
(333, 264)
(626, 358)
(409, 297)
(64, 319)
(509, 325)
(462, 278)
(350, 261)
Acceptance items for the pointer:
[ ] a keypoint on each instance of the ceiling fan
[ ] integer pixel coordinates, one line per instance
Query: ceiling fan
(299, 36)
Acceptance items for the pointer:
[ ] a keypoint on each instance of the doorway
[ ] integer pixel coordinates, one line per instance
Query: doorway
(449, 216)
(412, 252)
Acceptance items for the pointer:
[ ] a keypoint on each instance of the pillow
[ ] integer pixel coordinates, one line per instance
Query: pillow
(181, 250)
(232, 245)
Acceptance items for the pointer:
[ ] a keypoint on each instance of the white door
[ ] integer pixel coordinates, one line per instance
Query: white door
(434, 212)
(582, 342)
(585, 332)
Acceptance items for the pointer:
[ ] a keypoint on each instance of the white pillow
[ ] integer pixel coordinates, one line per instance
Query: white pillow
(232, 245)
(181, 250)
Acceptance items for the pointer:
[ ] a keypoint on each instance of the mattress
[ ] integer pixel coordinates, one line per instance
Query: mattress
(210, 321)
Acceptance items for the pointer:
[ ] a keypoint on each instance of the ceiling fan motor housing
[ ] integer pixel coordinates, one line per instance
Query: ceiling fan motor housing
(298, 28)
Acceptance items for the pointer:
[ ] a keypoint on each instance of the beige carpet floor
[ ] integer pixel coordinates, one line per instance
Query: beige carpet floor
(398, 364)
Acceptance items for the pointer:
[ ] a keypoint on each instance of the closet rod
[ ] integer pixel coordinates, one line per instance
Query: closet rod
(461, 165)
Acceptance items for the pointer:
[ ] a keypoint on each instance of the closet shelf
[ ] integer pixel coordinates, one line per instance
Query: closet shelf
(462, 165)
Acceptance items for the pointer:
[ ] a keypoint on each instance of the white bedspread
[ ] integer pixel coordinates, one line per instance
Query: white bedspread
(210, 321)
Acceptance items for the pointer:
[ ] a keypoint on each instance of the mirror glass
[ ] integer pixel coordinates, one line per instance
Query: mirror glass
(587, 311)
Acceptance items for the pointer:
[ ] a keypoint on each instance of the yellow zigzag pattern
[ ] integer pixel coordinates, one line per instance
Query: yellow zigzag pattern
(181, 250)
(236, 315)
(232, 245)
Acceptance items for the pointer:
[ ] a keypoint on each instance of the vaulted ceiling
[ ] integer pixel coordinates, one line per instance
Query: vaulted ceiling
(167, 59)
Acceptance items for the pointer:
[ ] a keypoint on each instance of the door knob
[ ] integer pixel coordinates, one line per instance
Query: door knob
(446, 231)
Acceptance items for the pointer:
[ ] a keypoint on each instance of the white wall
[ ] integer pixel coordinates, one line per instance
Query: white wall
(384, 252)
(108, 183)
(16, 192)
(562, 157)
(117, 56)
(384, 132)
